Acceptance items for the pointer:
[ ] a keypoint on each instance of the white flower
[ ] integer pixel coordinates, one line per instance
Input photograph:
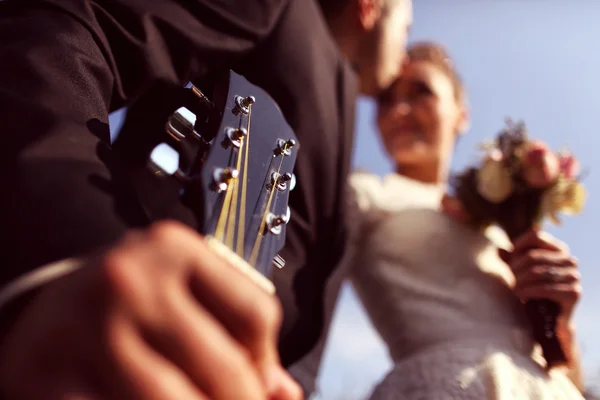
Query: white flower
(494, 182)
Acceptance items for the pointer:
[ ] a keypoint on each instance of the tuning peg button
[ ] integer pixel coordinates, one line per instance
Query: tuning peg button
(275, 222)
(278, 261)
(243, 104)
(284, 147)
(164, 160)
(180, 125)
(280, 181)
(222, 177)
(234, 137)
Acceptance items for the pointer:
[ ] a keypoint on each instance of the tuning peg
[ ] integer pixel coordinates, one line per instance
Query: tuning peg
(293, 182)
(243, 104)
(180, 125)
(278, 261)
(222, 177)
(233, 137)
(275, 222)
(280, 180)
(200, 95)
(284, 147)
(165, 160)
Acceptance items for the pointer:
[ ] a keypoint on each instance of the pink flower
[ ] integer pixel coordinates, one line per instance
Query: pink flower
(540, 165)
(569, 165)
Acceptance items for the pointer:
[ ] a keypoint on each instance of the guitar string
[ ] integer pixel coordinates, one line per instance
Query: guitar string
(259, 237)
(224, 231)
(241, 224)
(233, 206)
(220, 231)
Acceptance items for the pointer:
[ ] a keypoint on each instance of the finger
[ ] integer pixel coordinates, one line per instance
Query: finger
(200, 346)
(181, 255)
(287, 388)
(560, 293)
(520, 262)
(141, 372)
(250, 314)
(544, 274)
(540, 240)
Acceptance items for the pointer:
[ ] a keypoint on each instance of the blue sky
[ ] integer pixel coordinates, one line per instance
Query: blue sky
(536, 60)
(528, 59)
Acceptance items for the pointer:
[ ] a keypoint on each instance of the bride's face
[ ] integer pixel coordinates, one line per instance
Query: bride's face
(420, 116)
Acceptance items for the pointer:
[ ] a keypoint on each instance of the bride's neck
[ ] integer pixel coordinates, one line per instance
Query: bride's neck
(431, 174)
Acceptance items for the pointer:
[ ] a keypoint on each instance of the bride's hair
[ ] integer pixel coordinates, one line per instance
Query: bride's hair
(438, 56)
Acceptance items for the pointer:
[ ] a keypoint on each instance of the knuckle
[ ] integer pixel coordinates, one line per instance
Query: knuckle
(563, 246)
(263, 316)
(117, 272)
(572, 262)
(544, 236)
(238, 368)
(295, 391)
(551, 239)
(531, 257)
(577, 291)
(573, 293)
(537, 270)
(272, 313)
(116, 346)
(166, 380)
(574, 275)
(164, 231)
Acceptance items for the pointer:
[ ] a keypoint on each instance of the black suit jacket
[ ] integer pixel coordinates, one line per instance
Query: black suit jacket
(65, 64)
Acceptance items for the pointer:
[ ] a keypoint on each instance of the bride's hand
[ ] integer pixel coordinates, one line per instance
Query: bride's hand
(544, 269)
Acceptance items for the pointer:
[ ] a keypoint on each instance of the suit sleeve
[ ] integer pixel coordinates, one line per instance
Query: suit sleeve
(64, 66)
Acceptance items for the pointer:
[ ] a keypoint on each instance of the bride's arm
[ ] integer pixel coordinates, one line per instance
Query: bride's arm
(544, 269)
(566, 331)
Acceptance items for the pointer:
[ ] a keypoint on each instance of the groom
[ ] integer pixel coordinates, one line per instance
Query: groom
(115, 322)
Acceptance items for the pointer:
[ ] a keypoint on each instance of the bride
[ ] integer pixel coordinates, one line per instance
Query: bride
(446, 299)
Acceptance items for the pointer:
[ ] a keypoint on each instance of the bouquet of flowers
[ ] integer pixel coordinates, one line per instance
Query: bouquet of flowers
(518, 185)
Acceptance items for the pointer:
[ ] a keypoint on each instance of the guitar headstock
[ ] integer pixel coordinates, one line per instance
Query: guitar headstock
(245, 173)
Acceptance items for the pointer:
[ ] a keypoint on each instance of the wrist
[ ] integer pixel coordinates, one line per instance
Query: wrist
(566, 324)
(566, 335)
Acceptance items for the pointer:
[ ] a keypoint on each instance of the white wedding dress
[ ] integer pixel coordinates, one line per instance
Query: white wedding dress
(440, 297)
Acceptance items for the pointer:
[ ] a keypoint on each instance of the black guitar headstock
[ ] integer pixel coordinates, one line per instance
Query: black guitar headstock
(239, 182)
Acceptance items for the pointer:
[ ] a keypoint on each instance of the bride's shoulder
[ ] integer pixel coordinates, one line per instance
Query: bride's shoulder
(365, 181)
(391, 192)
(364, 188)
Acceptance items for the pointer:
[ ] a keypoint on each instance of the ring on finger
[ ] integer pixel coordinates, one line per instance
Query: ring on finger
(552, 274)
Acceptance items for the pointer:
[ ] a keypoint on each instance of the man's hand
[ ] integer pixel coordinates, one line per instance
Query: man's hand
(159, 316)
